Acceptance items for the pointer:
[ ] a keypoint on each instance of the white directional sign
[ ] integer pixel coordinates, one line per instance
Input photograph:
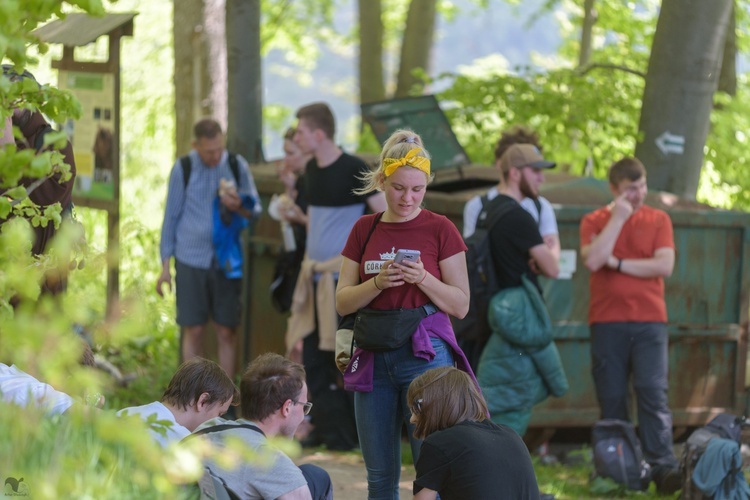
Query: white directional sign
(671, 143)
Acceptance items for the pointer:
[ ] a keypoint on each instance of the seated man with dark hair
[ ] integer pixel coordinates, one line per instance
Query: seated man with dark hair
(273, 402)
(199, 390)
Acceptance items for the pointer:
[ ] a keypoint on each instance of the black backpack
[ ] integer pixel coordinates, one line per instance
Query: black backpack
(617, 454)
(473, 331)
(724, 425)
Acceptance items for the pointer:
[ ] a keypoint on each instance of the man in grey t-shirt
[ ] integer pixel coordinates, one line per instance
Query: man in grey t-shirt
(273, 402)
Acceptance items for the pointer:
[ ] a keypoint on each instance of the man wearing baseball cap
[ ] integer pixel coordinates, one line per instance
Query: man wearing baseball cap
(514, 238)
(515, 244)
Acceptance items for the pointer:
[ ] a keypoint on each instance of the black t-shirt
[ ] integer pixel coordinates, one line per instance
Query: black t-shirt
(332, 186)
(511, 238)
(300, 230)
(333, 208)
(476, 460)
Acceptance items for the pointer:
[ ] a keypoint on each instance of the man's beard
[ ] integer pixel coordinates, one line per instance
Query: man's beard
(526, 189)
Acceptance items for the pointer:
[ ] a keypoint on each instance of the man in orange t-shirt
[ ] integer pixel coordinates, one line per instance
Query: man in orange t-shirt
(629, 249)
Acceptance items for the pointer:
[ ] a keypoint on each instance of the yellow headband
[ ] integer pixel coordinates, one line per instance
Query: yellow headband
(411, 159)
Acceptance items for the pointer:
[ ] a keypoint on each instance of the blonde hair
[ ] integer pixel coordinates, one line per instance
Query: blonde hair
(396, 146)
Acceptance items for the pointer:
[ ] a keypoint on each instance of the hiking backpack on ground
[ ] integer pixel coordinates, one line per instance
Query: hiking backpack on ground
(617, 454)
(473, 331)
(725, 426)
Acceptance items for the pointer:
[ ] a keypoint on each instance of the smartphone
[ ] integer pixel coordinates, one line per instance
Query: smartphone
(403, 254)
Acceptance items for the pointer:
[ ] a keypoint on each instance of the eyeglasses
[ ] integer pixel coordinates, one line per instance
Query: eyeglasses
(416, 409)
(307, 406)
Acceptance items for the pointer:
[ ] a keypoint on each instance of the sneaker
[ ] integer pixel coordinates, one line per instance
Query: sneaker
(668, 479)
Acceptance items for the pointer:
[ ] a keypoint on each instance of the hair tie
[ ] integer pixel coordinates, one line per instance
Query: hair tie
(411, 139)
(411, 159)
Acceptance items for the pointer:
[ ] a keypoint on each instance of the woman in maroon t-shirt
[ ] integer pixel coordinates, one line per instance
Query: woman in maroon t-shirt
(371, 279)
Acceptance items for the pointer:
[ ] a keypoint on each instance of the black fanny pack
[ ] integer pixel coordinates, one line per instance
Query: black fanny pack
(388, 329)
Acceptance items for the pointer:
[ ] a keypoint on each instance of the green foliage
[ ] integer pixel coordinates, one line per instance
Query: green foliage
(725, 177)
(86, 454)
(296, 28)
(621, 35)
(582, 119)
(567, 481)
(587, 117)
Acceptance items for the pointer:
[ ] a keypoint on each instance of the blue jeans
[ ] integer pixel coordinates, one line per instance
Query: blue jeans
(381, 413)
(318, 481)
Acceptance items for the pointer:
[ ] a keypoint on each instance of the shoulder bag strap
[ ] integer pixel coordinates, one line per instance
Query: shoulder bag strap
(224, 427)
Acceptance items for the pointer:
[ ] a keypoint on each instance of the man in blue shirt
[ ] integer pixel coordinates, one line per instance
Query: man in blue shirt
(203, 290)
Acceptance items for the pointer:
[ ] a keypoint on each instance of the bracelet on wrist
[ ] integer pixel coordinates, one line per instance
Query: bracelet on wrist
(423, 278)
(619, 265)
(375, 282)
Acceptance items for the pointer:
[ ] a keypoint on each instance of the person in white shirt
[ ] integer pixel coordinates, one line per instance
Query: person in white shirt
(25, 390)
(542, 211)
(199, 391)
(20, 388)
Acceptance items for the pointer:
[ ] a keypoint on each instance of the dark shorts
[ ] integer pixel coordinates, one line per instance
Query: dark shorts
(204, 294)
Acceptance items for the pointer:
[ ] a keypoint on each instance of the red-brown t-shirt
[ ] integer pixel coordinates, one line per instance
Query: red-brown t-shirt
(617, 296)
(433, 235)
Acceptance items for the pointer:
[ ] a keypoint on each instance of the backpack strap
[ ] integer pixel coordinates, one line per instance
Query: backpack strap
(224, 427)
(538, 205)
(39, 141)
(482, 216)
(218, 481)
(235, 167)
(187, 167)
(497, 213)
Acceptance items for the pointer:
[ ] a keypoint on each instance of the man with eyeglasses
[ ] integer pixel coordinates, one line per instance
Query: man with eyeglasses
(273, 402)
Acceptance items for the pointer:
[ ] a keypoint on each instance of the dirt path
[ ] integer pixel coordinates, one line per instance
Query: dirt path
(347, 470)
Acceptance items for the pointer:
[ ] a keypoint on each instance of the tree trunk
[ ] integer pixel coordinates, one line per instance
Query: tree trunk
(728, 75)
(245, 128)
(200, 67)
(187, 29)
(371, 87)
(589, 19)
(216, 60)
(682, 77)
(416, 45)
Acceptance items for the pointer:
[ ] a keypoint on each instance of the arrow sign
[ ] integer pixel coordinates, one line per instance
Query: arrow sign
(669, 143)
